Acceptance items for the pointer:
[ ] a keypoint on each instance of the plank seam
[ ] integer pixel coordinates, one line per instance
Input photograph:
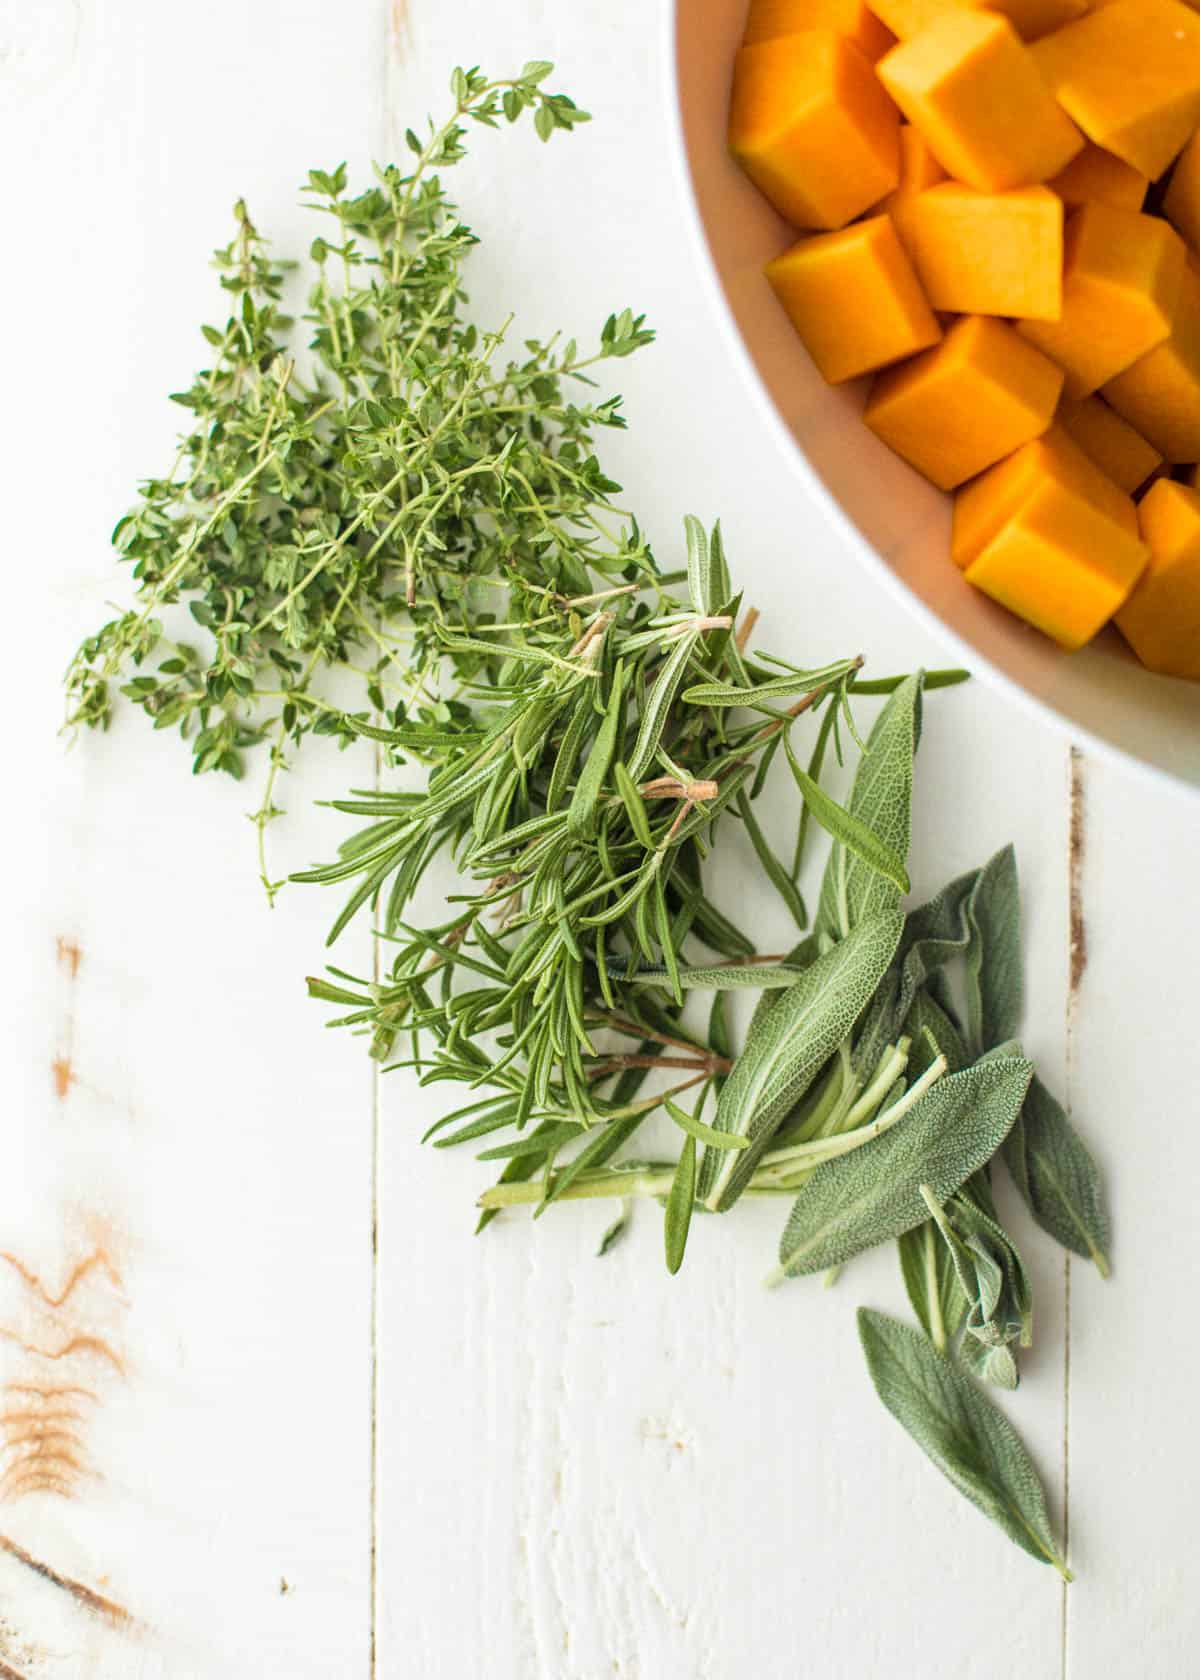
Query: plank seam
(1077, 958)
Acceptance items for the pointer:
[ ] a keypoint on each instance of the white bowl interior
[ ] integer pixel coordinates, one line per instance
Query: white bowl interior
(896, 522)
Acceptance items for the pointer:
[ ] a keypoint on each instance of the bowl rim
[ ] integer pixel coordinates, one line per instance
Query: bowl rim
(1074, 734)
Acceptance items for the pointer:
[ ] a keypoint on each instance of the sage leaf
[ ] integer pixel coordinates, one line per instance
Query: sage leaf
(991, 1276)
(995, 994)
(967, 1437)
(788, 1046)
(991, 1362)
(1058, 1178)
(874, 1194)
(932, 1284)
(934, 1033)
(582, 810)
(848, 830)
(881, 800)
(935, 934)
(678, 1217)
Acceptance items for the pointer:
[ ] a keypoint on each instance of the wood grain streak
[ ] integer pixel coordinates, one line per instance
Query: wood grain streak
(106, 1608)
(97, 1260)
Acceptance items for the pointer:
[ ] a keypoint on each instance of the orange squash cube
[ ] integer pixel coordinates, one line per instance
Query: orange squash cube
(983, 508)
(1160, 394)
(1029, 18)
(1060, 565)
(971, 87)
(852, 18)
(1120, 452)
(1161, 619)
(1182, 203)
(1122, 276)
(988, 253)
(1129, 75)
(1100, 177)
(854, 299)
(813, 129)
(967, 403)
(919, 170)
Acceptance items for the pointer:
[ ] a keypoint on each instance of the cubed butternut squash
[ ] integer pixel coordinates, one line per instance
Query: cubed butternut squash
(1182, 203)
(813, 129)
(988, 253)
(854, 299)
(1060, 565)
(1161, 618)
(973, 90)
(1122, 276)
(1029, 18)
(1129, 74)
(1100, 177)
(919, 170)
(967, 403)
(983, 507)
(1121, 452)
(852, 18)
(1160, 394)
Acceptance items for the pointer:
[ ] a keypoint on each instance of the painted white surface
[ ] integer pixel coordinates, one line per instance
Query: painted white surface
(582, 1468)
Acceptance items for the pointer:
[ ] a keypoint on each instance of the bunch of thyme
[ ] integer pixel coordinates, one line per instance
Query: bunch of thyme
(334, 502)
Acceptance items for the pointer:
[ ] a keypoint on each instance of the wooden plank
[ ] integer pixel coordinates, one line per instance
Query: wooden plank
(1134, 1478)
(586, 1467)
(158, 1109)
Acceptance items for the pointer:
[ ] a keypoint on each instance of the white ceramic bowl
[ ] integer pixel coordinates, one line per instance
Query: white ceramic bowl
(894, 521)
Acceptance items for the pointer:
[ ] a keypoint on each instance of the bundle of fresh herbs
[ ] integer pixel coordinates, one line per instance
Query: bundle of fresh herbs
(578, 729)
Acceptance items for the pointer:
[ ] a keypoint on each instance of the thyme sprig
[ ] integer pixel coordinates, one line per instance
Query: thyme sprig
(354, 481)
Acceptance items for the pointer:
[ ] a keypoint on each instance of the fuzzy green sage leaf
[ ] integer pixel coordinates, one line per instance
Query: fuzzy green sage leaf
(874, 1194)
(967, 1437)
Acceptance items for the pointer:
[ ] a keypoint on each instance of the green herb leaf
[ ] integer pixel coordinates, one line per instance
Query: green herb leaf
(850, 833)
(874, 1195)
(787, 1047)
(772, 868)
(931, 1280)
(1058, 1179)
(704, 1134)
(965, 1435)
(991, 1276)
(582, 810)
(678, 1216)
(765, 694)
(615, 1231)
(658, 705)
(725, 977)
(881, 800)
(995, 992)
(708, 575)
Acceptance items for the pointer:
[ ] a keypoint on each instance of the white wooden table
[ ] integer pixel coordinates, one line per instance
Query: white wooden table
(325, 1432)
